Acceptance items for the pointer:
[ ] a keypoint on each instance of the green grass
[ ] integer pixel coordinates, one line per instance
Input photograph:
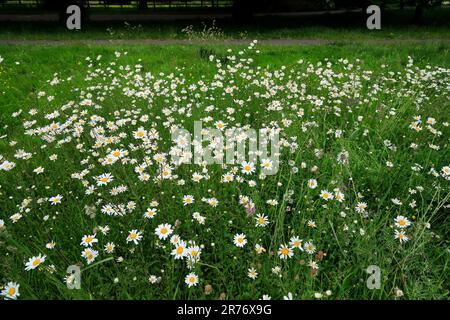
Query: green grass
(418, 267)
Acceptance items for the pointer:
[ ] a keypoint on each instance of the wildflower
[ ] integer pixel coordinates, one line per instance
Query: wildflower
(193, 253)
(261, 220)
(163, 231)
(89, 254)
(88, 240)
(191, 280)
(180, 250)
(361, 207)
(285, 252)
(324, 194)
(55, 200)
(401, 236)
(154, 279)
(104, 179)
(296, 242)
(248, 167)
(34, 262)
(239, 240)
(11, 291)
(259, 249)
(402, 222)
(134, 236)
(309, 247)
(252, 274)
(150, 213)
(109, 247)
(188, 199)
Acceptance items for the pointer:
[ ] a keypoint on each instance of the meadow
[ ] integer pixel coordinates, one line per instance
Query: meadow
(86, 176)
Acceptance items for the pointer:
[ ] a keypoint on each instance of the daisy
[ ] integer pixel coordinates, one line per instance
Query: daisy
(361, 207)
(11, 291)
(194, 252)
(220, 125)
(402, 222)
(196, 177)
(39, 170)
(313, 265)
(285, 252)
(150, 213)
(34, 262)
(213, 202)
(239, 240)
(188, 199)
(175, 239)
(446, 171)
(51, 245)
(276, 270)
(266, 164)
(309, 247)
(296, 242)
(154, 279)
(261, 220)
(311, 224)
(166, 172)
(163, 231)
(88, 240)
(252, 274)
(312, 183)
(134, 236)
(180, 250)
(191, 280)
(109, 247)
(248, 167)
(228, 177)
(324, 194)
(140, 133)
(104, 179)
(339, 196)
(401, 236)
(55, 200)
(89, 255)
(259, 249)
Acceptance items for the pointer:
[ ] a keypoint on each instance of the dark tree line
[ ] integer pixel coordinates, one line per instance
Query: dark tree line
(243, 9)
